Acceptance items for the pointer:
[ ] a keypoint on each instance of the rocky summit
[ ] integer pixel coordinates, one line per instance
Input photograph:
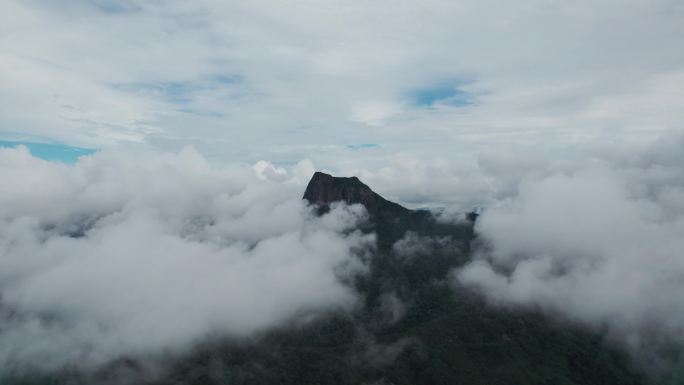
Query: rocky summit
(324, 189)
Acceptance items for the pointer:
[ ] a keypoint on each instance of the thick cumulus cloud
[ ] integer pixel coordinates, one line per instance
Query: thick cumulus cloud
(116, 256)
(599, 242)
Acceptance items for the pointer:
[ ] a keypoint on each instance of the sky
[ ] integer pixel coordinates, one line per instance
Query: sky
(51, 151)
(347, 85)
(150, 143)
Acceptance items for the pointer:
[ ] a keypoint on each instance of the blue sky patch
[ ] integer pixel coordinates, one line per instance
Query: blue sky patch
(52, 152)
(362, 146)
(114, 7)
(448, 93)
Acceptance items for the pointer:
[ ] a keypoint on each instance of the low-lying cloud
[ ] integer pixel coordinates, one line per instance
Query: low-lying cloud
(599, 242)
(127, 256)
(121, 257)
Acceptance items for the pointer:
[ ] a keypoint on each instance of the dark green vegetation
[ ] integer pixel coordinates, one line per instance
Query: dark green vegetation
(413, 327)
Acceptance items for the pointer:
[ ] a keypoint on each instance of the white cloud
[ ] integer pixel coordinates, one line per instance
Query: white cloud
(116, 256)
(374, 113)
(598, 243)
(265, 170)
(313, 74)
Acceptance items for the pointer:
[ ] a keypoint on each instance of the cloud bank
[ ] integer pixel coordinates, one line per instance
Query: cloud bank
(121, 257)
(599, 241)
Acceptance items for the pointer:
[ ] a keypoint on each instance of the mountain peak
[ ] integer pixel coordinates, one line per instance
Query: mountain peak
(324, 189)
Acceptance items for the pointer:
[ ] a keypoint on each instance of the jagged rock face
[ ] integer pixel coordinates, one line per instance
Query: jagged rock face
(324, 189)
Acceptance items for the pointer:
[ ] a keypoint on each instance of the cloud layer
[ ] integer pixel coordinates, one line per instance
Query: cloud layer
(247, 80)
(126, 257)
(598, 242)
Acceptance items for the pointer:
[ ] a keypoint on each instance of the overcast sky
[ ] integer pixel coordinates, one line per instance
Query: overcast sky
(347, 84)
